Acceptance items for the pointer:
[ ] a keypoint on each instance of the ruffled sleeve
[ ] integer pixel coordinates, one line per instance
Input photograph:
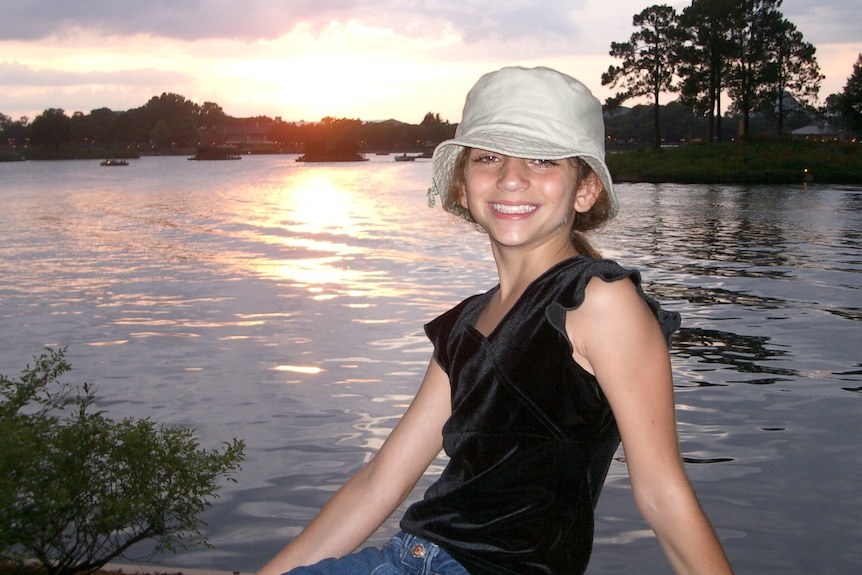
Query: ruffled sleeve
(608, 271)
(440, 329)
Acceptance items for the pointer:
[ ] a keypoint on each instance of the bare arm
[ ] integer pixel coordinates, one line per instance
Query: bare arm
(617, 338)
(370, 496)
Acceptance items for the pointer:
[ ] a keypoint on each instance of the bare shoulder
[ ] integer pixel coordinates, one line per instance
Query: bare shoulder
(608, 303)
(601, 293)
(612, 317)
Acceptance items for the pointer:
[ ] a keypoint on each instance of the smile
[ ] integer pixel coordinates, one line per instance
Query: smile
(520, 209)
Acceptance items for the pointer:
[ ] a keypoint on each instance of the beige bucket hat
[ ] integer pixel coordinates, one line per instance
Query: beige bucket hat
(536, 113)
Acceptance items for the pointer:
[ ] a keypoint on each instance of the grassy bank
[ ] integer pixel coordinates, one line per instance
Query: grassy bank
(762, 161)
(11, 156)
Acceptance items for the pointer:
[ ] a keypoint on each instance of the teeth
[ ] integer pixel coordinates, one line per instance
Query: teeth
(523, 209)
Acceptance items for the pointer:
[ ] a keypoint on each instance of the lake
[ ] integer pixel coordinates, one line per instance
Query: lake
(282, 303)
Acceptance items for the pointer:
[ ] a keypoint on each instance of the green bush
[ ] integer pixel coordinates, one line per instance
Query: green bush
(78, 489)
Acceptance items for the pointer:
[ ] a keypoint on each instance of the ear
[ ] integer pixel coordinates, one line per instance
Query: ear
(462, 196)
(588, 192)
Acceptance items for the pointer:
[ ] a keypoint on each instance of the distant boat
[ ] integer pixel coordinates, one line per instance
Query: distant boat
(113, 162)
(216, 153)
(405, 158)
(341, 151)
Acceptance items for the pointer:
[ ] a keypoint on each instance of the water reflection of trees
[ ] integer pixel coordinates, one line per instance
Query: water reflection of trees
(745, 231)
(745, 354)
(697, 295)
(737, 228)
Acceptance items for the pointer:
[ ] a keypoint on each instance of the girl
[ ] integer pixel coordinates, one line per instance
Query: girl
(533, 383)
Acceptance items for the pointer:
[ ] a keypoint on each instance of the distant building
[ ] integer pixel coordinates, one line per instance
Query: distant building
(391, 122)
(819, 130)
(245, 132)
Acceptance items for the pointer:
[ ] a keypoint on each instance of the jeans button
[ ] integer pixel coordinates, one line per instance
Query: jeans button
(418, 551)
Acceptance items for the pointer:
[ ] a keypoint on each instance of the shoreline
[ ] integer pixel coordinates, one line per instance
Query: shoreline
(759, 161)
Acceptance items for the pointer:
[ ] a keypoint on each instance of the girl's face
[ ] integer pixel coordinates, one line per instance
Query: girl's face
(523, 202)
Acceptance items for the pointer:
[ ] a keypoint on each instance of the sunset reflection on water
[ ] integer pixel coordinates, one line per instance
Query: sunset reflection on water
(319, 228)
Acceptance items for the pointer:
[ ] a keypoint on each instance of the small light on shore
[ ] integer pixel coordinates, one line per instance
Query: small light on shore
(807, 176)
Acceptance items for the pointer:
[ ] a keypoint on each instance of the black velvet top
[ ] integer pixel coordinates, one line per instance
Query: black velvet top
(531, 434)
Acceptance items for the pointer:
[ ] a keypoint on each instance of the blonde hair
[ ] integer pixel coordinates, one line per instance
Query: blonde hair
(584, 222)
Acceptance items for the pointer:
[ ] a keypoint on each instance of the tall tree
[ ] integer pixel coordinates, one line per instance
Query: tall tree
(649, 59)
(753, 22)
(849, 102)
(706, 24)
(748, 49)
(796, 72)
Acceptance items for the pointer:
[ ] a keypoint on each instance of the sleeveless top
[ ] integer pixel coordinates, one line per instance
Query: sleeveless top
(531, 434)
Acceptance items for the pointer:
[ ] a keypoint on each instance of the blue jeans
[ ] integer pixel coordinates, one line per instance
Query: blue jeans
(403, 555)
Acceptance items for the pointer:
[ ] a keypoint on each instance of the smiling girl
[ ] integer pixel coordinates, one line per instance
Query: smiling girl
(533, 383)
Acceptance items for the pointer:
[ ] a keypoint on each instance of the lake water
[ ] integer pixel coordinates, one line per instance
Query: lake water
(282, 303)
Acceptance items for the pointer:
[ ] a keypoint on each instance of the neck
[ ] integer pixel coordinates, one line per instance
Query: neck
(519, 268)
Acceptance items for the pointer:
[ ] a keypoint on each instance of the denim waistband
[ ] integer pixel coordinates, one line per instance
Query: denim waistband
(422, 557)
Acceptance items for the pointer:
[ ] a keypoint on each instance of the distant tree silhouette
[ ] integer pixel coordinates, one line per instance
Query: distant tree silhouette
(796, 72)
(706, 47)
(51, 129)
(848, 103)
(649, 60)
(13, 133)
(747, 49)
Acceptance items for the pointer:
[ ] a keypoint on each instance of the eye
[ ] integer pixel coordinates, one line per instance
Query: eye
(544, 163)
(483, 157)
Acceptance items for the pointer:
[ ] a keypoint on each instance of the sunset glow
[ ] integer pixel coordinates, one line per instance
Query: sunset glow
(368, 60)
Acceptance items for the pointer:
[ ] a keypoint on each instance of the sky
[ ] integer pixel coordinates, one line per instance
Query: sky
(302, 60)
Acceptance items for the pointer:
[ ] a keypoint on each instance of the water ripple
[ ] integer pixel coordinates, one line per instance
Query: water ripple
(283, 304)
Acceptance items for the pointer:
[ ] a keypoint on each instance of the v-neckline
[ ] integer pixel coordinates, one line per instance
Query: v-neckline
(485, 299)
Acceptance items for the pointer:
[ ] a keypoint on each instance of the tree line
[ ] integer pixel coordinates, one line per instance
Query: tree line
(744, 49)
(171, 123)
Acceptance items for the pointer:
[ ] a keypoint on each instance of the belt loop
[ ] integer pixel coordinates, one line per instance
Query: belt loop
(419, 554)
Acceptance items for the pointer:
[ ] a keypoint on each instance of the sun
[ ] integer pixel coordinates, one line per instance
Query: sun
(347, 70)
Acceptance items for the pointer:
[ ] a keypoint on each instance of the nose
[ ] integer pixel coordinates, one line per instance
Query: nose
(513, 175)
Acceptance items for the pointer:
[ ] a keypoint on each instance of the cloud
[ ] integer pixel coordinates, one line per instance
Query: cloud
(357, 58)
(547, 27)
(82, 90)
(821, 23)
(187, 20)
(551, 24)
(16, 74)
